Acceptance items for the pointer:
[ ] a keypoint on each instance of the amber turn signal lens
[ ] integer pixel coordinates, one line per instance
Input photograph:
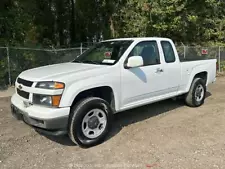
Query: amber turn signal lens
(56, 100)
(59, 85)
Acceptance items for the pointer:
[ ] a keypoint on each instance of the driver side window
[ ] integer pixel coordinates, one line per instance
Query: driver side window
(148, 50)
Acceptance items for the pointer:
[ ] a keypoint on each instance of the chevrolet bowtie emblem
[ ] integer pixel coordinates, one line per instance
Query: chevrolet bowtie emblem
(20, 87)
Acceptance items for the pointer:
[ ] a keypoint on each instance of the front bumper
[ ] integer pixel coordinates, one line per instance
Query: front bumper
(50, 121)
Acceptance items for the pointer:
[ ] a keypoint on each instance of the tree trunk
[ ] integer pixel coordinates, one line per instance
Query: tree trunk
(112, 27)
(72, 24)
(59, 8)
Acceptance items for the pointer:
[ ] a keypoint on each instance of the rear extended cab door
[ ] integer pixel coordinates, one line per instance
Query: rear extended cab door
(171, 66)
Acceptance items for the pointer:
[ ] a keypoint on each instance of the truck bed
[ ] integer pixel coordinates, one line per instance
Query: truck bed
(190, 67)
(188, 59)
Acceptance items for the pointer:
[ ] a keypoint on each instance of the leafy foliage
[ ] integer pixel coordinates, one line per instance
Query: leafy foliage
(67, 22)
(64, 23)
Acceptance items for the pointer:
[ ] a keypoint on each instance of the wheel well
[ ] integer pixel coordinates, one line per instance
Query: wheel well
(104, 92)
(202, 75)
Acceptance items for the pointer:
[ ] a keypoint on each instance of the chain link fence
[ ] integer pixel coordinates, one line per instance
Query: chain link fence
(15, 60)
(190, 53)
(4, 71)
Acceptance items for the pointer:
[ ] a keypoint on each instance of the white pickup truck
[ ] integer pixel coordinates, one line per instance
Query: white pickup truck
(79, 98)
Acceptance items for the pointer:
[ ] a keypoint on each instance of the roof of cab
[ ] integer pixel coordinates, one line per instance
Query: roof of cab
(139, 39)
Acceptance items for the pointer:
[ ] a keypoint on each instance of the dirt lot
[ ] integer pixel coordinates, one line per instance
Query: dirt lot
(163, 135)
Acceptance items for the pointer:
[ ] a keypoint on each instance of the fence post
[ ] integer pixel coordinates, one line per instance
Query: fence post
(81, 48)
(8, 60)
(219, 59)
(184, 51)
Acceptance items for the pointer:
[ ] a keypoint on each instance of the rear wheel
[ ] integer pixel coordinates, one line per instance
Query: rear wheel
(196, 95)
(90, 122)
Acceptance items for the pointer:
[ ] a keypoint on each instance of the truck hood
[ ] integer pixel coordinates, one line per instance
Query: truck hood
(57, 71)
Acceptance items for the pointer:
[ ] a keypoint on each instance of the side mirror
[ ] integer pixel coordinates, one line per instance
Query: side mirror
(134, 61)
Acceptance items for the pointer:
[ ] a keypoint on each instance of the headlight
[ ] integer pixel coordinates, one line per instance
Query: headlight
(50, 85)
(46, 100)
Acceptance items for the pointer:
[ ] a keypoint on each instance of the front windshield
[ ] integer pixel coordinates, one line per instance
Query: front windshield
(106, 53)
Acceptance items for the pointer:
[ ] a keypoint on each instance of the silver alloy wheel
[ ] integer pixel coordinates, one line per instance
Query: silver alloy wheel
(199, 93)
(94, 123)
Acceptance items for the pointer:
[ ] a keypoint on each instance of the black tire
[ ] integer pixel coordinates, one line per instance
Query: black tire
(77, 115)
(190, 98)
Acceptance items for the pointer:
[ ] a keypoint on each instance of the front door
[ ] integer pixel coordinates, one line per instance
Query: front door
(143, 83)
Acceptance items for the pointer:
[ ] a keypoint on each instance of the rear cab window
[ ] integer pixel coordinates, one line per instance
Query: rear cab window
(168, 52)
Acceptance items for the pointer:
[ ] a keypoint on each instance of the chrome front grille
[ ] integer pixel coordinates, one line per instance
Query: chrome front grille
(23, 82)
(23, 94)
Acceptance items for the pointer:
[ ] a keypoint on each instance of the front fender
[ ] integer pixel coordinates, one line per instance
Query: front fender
(75, 88)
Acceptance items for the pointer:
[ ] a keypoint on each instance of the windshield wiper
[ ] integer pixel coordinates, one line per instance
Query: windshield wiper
(90, 61)
(77, 61)
(86, 61)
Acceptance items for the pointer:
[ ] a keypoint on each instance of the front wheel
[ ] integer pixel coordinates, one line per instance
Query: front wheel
(90, 122)
(196, 95)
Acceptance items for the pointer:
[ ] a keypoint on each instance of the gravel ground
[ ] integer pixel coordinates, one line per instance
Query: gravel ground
(7, 93)
(164, 135)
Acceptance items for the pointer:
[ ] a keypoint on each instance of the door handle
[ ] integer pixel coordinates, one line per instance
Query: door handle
(159, 70)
